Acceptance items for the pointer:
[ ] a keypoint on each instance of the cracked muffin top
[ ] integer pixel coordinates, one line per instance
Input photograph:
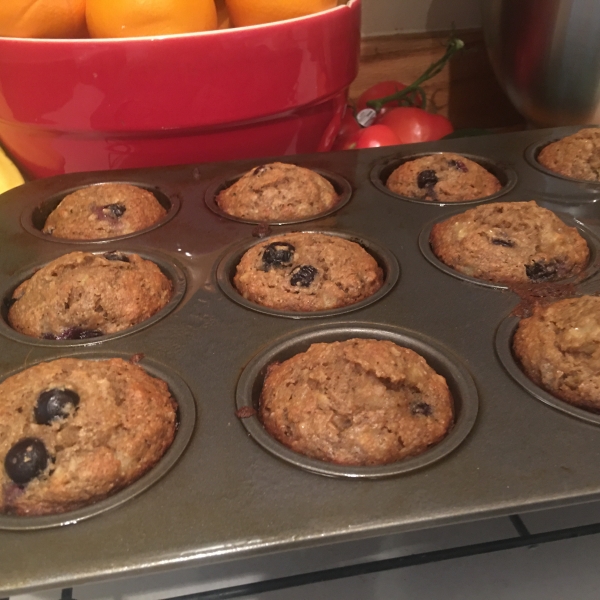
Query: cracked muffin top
(558, 347)
(83, 295)
(104, 211)
(356, 402)
(307, 272)
(278, 192)
(510, 242)
(576, 155)
(443, 177)
(75, 431)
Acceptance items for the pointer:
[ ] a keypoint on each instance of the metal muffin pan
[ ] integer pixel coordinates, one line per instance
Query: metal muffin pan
(168, 266)
(505, 175)
(341, 186)
(590, 270)
(504, 338)
(385, 259)
(460, 382)
(227, 497)
(186, 419)
(34, 217)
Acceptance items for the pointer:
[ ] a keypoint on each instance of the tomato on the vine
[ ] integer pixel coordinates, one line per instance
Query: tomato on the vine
(373, 137)
(377, 91)
(412, 124)
(348, 131)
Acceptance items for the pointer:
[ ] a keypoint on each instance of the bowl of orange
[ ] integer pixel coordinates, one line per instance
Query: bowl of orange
(147, 92)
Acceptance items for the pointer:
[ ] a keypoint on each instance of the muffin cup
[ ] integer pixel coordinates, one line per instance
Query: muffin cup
(503, 342)
(34, 217)
(460, 382)
(169, 268)
(186, 420)
(226, 269)
(531, 156)
(590, 270)
(383, 169)
(341, 186)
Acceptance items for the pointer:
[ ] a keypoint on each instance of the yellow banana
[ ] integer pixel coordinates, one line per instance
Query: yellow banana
(10, 176)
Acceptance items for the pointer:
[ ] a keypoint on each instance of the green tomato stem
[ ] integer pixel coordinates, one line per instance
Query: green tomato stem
(408, 95)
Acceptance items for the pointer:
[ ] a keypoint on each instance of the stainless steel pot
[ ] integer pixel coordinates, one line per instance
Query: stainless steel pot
(546, 56)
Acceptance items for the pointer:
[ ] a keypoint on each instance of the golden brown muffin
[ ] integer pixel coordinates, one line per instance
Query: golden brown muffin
(576, 155)
(510, 242)
(443, 177)
(278, 192)
(75, 431)
(307, 272)
(357, 402)
(81, 295)
(558, 348)
(104, 211)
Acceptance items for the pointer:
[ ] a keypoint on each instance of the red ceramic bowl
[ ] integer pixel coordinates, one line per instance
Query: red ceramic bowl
(82, 105)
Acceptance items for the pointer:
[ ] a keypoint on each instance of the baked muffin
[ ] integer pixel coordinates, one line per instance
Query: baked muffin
(558, 348)
(443, 177)
(356, 402)
(104, 211)
(576, 155)
(75, 431)
(510, 242)
(278, 192)
(82, 295)
(307, 272)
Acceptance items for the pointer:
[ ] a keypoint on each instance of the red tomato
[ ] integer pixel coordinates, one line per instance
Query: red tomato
(377, 91)
(348, 131)
(374, 137)
(412, 124)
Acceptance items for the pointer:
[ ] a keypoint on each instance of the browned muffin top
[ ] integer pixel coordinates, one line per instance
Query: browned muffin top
(356, 402)
(559, 349)
(278, 192)
(508, 242)
(75, 431)
(104, 211)
(307, 272)
(576, 155)
(82, 295)
(443, 177)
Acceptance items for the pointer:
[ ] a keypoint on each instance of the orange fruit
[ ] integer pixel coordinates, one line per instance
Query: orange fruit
(42, 18)
(255, 12)
(134, 18)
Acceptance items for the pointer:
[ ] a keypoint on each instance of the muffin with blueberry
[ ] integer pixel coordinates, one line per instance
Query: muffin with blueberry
(510, 242)
(73, 432)
(307, 272)
(576, 156)
(558, 347)
(443, 177)
(84, 295)
(357, 402)
(278, 192)
(104, 211)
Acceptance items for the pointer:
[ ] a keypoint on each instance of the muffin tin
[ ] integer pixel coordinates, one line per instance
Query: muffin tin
(229, 491)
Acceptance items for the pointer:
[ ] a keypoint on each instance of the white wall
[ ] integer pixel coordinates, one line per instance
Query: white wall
(384, 17)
